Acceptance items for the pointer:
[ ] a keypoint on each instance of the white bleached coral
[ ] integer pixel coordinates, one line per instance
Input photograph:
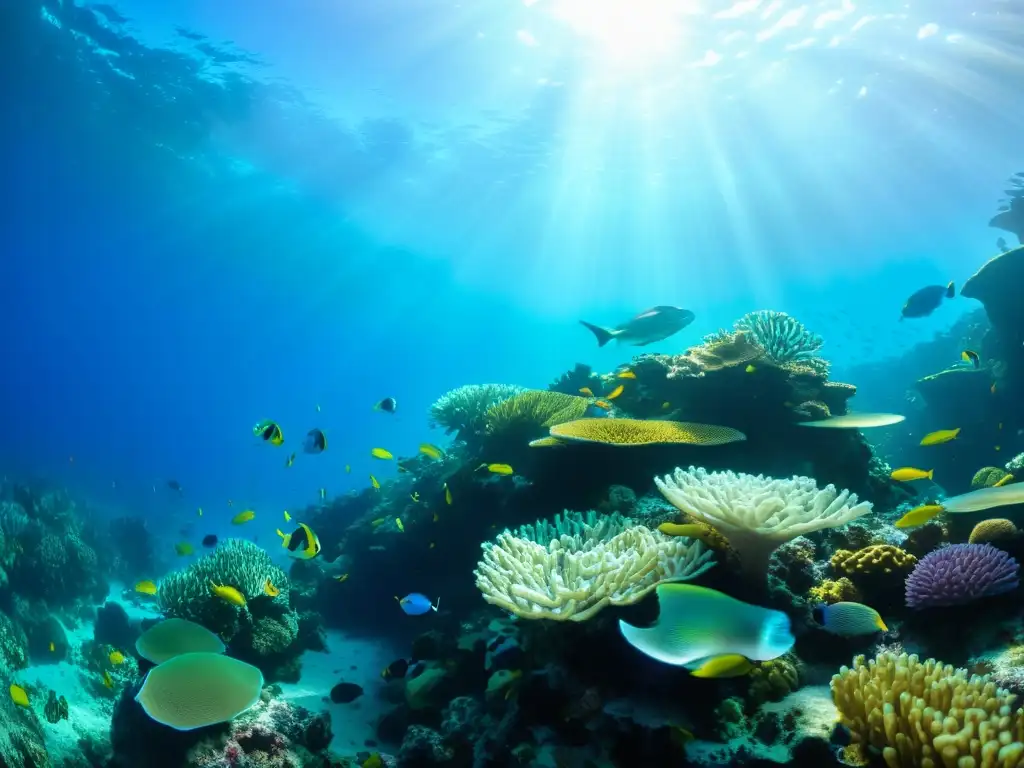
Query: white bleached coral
(574, 577)
(757, 514)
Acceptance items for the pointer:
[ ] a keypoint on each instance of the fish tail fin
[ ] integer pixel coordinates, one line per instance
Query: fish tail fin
(603, 334)
(950, 289)
(435, 606)
(931, 474)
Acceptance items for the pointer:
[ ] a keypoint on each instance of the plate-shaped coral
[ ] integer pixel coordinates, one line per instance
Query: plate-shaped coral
(644, 432)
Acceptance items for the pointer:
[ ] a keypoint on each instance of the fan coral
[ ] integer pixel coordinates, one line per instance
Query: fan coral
(959, 574)
(783, 338)
(640, 432)
(463, 410)
(992, 530)
(927, 713)
(534, 410)
(573, 578)
(758, 514)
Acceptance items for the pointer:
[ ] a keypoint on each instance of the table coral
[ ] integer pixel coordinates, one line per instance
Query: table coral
(534, 411)
(626, 432)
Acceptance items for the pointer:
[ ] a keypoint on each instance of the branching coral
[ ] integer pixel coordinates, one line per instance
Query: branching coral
(758, 514)
(783, 338)
(585, 530)
(924, 713)
(574, 577)
(463, 410)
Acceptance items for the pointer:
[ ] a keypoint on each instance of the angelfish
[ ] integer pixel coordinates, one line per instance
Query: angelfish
(654, 324)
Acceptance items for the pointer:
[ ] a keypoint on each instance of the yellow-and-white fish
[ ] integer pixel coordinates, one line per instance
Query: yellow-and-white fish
(431, 451)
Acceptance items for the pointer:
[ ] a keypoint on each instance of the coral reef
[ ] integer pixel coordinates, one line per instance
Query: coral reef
(834, 591)
(993, 529)
(464, 410)
(960, 574)
(986, 477)
(783, 338)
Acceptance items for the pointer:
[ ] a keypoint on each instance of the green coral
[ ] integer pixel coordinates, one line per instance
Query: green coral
(13, 645)
(274, 635)
(534, 411)
(986, 477)
(236, 563)
(774, 680)
(464, 410)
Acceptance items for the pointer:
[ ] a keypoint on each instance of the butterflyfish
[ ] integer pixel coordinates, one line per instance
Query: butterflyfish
(374, 483)
(116, 657)
(315, 442)
(269, 432)
(972, 357)
(388, 405)
(269, 589)
(431, 451)
(696, 624)
(919, 515)
(227, 593)
(381, 453)
(586, 391)
(243, 517)
(447, 494)
(940, 436)
(145, 587)
(906, 474)
(399, 525)
(616, 392)
(19, 696)
(290, 460)
(728, 665)
(183, 548)
(849, 619)
(415, 604)
(302, 543)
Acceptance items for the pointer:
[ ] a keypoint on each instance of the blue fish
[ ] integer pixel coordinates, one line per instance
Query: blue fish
(416, 604)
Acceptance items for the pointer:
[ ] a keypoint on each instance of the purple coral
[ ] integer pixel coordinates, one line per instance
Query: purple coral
(959, 574)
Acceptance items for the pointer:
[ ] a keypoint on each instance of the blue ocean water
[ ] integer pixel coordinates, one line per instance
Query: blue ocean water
(218, 213)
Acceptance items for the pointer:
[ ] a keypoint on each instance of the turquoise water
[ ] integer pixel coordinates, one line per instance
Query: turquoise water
(220, 213)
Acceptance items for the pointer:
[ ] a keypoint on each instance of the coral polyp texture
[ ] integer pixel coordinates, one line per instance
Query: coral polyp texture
(925, 713)
(872, 560)
(994, 529)
(533, 411)
(574, 577)
(462, 410)
(757, 514)
(644, 432)
(960, 574)
(783, 338)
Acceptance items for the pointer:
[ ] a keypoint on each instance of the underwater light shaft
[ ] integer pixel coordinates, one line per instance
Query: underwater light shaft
(627, 31)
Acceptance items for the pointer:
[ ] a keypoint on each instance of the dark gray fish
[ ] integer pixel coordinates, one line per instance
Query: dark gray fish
(55, 709)
(654, 324)
(346, 693)
(210, 540)
(925, 301)
(175, 486)
(1001, 245)
(315, 442)
(388, 405)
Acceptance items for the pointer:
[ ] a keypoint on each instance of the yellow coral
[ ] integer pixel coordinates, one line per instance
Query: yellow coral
(640, 432)
(991, 530)
(986, 477)
(535, 409)
(924, 713)
(876, 559)
(773, 680)
(834, 591)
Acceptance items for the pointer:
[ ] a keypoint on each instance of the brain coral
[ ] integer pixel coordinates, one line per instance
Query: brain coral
(959, 574)
(873, 560)
(986, 477)
(924, 713)
(992, 530)
(641, 432)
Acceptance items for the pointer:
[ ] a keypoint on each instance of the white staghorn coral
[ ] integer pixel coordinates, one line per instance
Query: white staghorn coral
(574, 577)
(759, 514)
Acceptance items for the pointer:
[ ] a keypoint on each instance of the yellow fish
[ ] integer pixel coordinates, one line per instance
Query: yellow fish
(689, 530)
(436, 517)
(381, 453)
(748, 369)
(116, 657)
(414, 496)
(340, 579)
(323, 494)
(183, 548)
(287, 517)
(399, 525)
(53, 647)
(374, 483)
(616, 392)
(919, 515)
(431, 451)
(108, 680)
(586, 391)
(500, 469)
(290, 460)
(348, 469)
(666, 405)
(269, 589)
(626, 374)
(378, 521)
(447, 494)
(940, 436)
(905, 474)
(146, 587)
(243, 517)
(1007, 479)
(19, 696)
(200, 511)
(728, 665)
(604, 405)
(228, 594)
(373, 761)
